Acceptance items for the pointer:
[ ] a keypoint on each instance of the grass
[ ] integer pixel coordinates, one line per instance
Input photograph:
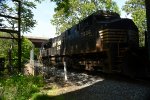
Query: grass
(51, 94)
(38, 96)
(19, 87)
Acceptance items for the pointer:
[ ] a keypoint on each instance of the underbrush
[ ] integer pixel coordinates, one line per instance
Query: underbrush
(46, 97)
(19, 87)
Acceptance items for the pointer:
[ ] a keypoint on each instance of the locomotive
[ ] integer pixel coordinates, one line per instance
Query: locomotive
(103, 42)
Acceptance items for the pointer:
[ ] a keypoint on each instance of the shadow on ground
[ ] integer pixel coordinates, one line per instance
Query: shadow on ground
(46, 97)
(105, 90)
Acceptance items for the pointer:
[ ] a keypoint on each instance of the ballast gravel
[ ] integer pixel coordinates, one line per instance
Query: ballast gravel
(87, 87)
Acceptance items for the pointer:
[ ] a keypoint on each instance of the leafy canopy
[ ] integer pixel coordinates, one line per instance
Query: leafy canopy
(7, 7)
(70, 12)
(137, 10)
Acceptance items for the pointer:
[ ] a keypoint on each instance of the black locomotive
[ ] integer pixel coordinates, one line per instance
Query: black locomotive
(103, 41)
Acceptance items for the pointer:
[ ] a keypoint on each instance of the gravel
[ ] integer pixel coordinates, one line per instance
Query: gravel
(88, 87)
(74, 78)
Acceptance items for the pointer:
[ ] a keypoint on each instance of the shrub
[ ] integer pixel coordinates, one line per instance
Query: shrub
(19, 87)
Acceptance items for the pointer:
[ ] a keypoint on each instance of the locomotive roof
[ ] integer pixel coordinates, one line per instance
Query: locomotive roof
(123, 23)
(105, 14)
(112, 19)
(99, 14)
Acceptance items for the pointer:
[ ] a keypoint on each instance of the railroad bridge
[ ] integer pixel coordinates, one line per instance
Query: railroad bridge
(37, 41)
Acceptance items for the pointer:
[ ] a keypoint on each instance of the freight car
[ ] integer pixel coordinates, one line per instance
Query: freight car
(103, 41)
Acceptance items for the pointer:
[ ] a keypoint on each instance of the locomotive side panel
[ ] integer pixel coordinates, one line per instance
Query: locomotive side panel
(82, 38)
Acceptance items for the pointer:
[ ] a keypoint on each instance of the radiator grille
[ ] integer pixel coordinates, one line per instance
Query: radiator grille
(113, 36)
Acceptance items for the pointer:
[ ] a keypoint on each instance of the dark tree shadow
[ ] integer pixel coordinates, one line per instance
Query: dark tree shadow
(105, 90)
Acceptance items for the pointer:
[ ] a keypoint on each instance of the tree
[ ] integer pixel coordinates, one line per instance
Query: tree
(70, 12)
(4, 45)
(7, 45)
(27, 21)
(137, 10)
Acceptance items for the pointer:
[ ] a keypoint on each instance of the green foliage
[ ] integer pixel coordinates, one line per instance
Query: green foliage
(26, 47)
(70, 12)
(137, 10)
(38, 96)
(27, 16)
(27, 21)
(3, 45)
(19, 87)
(36, 53)
(13, 46)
